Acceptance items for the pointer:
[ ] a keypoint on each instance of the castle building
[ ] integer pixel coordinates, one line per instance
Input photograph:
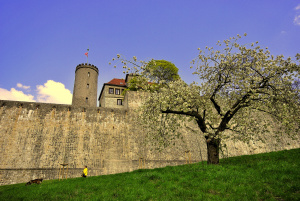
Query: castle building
(112, 93)
(37, 138)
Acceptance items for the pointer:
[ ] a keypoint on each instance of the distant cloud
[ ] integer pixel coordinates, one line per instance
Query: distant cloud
(50, 92)
(15, 95)
(297, 17)
(297, 20)
(53, 92)
(283, 32)
(23, 86)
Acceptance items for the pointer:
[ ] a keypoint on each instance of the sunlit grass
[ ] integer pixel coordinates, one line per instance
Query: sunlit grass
(270, 176)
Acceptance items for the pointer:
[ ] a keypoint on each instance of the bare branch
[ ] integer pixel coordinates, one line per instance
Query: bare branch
(199, 119)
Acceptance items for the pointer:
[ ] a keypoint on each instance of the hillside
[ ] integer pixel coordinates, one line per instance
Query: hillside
(269, 176)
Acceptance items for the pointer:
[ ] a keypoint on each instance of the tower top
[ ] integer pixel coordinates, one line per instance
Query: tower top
(86, 65)
(85, 85)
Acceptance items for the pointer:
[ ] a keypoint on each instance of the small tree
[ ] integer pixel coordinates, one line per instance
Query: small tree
(237, 84)
(161, 71)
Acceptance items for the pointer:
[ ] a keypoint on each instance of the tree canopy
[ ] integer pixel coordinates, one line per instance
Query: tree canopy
(161, 71)
(237, 85)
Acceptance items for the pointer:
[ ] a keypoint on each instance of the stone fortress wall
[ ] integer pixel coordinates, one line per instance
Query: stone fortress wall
(35, 138)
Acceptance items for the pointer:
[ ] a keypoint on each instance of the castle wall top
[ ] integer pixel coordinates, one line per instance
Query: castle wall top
(86, 65)
(58, 107)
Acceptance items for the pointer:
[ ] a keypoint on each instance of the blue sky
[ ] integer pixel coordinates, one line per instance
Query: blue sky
(42, 42)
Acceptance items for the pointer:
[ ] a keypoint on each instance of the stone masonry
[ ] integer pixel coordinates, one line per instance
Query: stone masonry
(36, 137)
(85, 85)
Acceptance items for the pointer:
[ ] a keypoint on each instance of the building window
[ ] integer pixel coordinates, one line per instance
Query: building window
(119, 102)
(87, 86)
(86, 100)
(111, 90)
(88, 74)
(117, 91)
(122, 90)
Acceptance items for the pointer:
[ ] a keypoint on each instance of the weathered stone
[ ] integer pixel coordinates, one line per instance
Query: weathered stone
(36, 137)
(85, 86)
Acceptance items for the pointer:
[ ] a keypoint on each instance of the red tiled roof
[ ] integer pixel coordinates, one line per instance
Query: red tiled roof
(116, 81)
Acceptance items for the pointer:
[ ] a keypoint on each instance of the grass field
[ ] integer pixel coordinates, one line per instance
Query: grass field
(269, 176)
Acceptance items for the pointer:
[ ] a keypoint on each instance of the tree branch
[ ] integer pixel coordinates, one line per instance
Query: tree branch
(220, 85)
(217, 107)
(199, 119)
(230, 113)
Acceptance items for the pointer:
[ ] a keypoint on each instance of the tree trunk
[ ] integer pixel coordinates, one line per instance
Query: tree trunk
(212, 150)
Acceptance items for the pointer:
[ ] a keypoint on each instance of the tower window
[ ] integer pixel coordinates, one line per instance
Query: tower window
(119, 102)
(111, 91)
(117, 91)
(86, 100)
(88, 74)
(87, 86)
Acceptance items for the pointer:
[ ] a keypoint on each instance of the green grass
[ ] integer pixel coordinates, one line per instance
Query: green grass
(270, 176)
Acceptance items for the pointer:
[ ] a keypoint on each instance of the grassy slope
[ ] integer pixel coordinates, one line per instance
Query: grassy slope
(270, 176)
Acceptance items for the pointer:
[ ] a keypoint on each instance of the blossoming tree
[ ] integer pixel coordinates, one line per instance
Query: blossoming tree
(239, 85)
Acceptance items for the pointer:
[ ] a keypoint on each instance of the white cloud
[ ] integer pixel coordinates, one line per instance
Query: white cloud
(297, 20)
(50, 92)
(15, 95)
(297, 7)
(23, 86)
(53, 92)
(283, 32)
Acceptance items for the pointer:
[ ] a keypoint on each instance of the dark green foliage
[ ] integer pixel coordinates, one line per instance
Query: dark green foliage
(136, 83)
(155, 72)
(158, 70)
(270, 176)
(140, 82)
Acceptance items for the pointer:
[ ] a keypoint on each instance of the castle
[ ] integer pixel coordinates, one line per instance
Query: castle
(85, 89)
(36, 138)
